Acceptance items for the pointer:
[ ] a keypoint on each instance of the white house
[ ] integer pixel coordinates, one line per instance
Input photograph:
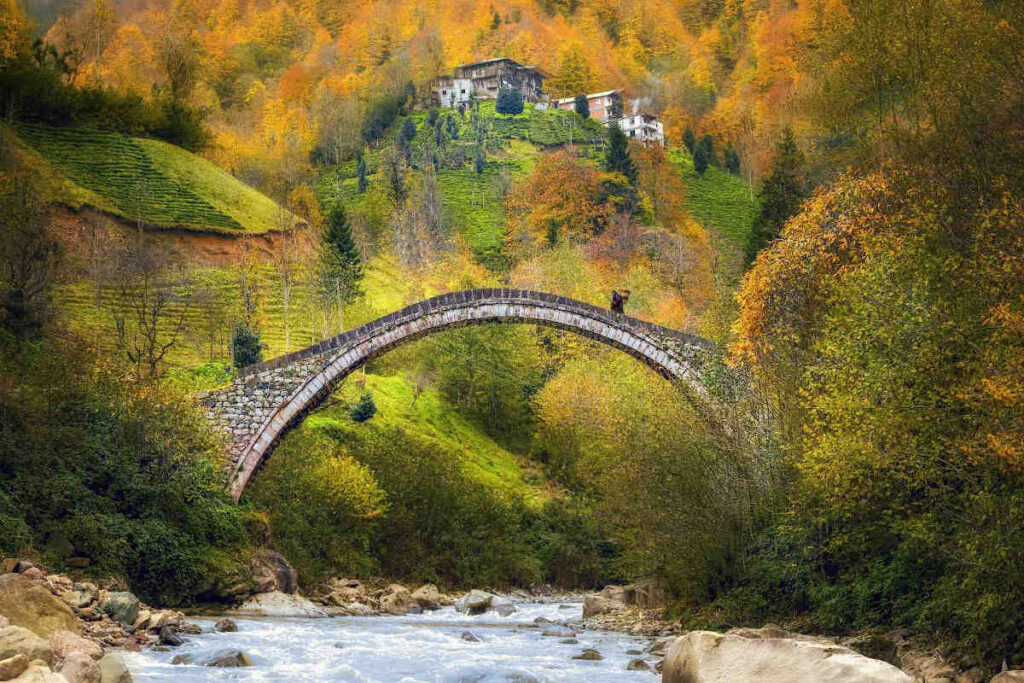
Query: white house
(454, 91)
(644, 128)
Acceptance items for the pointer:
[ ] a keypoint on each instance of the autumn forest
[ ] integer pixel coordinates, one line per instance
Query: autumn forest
(829, 192)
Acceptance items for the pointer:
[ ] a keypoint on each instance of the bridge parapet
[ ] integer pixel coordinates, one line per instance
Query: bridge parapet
(268, 397)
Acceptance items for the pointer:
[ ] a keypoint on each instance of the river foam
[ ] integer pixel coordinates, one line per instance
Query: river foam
(427, 647)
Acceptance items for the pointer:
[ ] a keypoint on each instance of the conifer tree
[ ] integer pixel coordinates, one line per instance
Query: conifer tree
(700, 160)
(246, 347)
(731, 159)
(361, 172)
(480, 163)
(689, 139)
(510, 101)
(582, 106)
(616, 156)
(708, 143)
(364, 409)
(781, 195)
(342, 264)
(615, 108)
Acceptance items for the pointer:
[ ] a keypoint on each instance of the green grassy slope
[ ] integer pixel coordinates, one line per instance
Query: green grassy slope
(157, 183)
(428, 417)
(474, 206)
(720, 201)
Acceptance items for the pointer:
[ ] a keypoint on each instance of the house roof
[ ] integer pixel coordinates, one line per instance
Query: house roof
(492, 60)
(592, 95)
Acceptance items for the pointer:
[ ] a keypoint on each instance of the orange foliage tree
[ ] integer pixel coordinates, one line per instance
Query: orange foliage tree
(562, 199)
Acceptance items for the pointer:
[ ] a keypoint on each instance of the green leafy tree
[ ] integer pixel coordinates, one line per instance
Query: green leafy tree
(510, 101)
(582, 106)
(246, 346)
(574, 73)
(28, 258)
(781, 195)
(432, 116)
(364, 408)
(616, 155)
(495, 21)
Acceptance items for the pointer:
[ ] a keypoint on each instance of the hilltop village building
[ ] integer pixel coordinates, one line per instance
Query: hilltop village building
(598, 103)
(644, 128)
(483, 80)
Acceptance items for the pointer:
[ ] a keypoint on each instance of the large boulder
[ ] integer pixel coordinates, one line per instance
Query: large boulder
(38, 672)
(346, 591)
(31, 605)
(81, 595)
(396, 599)
(427, 596)
(12, 667)
(64, 643)
(770, 656)
(599, 604)
(226, 625)
(113, 669)
(15, 640)
(271, 572)
(81, 668)
(474, 602)
(227, 659)
(1009, 677)
(122, 607)
(279, 604)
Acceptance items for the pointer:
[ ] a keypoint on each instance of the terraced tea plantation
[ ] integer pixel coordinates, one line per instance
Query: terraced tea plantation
(152, 182)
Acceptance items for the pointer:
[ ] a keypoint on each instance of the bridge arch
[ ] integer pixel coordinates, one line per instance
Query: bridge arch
(269, 398)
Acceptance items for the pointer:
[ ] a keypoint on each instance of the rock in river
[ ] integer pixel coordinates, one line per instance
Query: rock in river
(226, 626)
(228, 658)
(474, 602)
(770, 655)
(113, 668)
(278, 604)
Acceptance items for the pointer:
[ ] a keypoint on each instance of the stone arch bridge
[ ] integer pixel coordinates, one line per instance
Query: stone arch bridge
(268, 398)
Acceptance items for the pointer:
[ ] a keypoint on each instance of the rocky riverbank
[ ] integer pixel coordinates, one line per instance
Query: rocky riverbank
(54, 629)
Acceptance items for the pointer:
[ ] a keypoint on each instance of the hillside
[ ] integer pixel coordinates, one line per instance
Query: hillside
(473, 203)
(149, 181)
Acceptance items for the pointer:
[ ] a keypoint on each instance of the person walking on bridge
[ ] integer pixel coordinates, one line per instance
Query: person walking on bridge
(619, 300)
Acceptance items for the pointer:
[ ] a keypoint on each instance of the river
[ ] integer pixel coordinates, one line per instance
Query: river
(426, 647)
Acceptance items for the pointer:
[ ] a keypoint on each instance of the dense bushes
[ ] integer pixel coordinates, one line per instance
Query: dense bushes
(390, 502)
(37, 94)
(899, 318)
(122, 473)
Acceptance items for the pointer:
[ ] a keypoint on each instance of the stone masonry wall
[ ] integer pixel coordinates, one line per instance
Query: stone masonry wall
(267, 397)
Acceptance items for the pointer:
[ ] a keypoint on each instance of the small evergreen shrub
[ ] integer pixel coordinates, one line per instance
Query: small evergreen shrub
(364, 409)
(246, 346)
